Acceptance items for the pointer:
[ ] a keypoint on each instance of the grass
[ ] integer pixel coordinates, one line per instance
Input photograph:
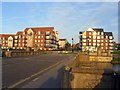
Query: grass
(115, 52)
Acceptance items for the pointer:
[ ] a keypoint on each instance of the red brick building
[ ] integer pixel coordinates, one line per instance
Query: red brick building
(94, 37)
(42, 38)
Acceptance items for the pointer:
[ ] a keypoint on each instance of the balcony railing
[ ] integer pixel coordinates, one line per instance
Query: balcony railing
(47, 34)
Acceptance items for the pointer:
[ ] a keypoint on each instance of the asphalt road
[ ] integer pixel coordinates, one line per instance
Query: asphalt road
(19, 68)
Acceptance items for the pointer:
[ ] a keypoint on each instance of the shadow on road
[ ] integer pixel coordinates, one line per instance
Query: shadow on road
(54, 81)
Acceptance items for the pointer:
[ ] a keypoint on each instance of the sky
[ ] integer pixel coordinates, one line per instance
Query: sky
(68, 18)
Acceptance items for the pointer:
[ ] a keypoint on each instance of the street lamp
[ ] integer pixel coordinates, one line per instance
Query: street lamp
(72, 44)
(88, 44)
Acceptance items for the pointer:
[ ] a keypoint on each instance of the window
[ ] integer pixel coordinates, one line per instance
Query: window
(84, 43)
(38, 40)
(35, 36)
(19, 36)
(3, 41)
(89, 40)
(42, 36)
(106, 47)
(94, 40)
(106, 40)
(98, 40)
(94, 44)
(84, 40)
(101, 40)
(111, 37)
(98, 37)
(40, 48)
(94, 37)
(102, 37)
(41, 40)
(41, 44)
(19, 40)
(101, 43)
(84, 36)
(89, 36)
(106, 37)
(39, 32)
(3, 38)
(101, 47)
(35, 40)
(47, 33)
(106, 44)
(98, 33)
(98, 44)
(16, 37)
(89, 43)
(101, 33)
(94, 33)
(38, 36)
(90, 33)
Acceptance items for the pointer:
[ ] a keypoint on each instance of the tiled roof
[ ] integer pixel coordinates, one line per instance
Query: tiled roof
(40, 29)
(7, 35)
(108, 33)
(20, 32)
(98, 29)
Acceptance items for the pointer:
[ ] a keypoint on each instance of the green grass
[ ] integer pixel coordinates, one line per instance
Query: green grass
(115, 52)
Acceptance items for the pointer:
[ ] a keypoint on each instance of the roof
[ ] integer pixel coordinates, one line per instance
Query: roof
(7, 35)
(108, 33)
(62, 39)
(20, 32)
(98, 29)
(40, 29)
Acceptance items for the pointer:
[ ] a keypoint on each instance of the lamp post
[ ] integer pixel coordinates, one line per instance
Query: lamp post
(72, 44)
(88, 45)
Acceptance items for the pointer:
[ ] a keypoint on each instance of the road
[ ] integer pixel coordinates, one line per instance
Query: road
(14, 70)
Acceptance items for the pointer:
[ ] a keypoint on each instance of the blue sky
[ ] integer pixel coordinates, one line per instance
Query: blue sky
(68, 18)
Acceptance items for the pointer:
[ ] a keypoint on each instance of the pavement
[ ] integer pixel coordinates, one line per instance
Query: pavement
(41, 71)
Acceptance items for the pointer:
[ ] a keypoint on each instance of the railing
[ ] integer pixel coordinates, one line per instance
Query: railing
(22, 53)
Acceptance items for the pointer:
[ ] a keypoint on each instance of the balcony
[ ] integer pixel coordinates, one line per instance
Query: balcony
(48, 42)
(48, 38)
(47, 34)
(47, 46)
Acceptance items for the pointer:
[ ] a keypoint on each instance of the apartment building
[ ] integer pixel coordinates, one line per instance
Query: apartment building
(62, 43)
(96, 37)
(42, 38)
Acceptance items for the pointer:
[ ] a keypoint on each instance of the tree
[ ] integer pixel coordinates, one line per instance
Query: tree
(67, 46)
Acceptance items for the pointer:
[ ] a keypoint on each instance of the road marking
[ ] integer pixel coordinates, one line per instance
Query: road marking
(35, 79)
(28, 78)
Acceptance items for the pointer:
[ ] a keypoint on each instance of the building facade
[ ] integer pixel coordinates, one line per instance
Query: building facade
(62, 43)
(96, 37)
(42, 38)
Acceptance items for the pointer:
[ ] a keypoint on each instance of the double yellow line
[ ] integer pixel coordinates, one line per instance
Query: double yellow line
(28, 78)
